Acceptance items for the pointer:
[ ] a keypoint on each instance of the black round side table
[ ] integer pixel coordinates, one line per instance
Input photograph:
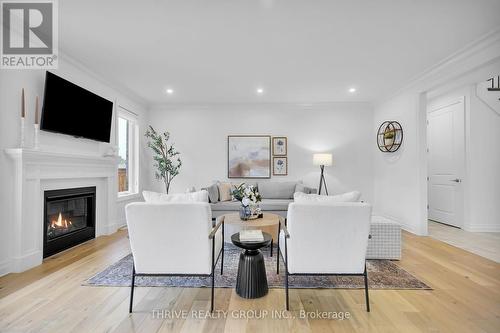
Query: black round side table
(251, 281)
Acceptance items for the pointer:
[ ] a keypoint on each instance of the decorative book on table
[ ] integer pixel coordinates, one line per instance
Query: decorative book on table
(251, 236)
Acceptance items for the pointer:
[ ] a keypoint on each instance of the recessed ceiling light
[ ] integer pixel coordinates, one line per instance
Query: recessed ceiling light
(260, 91)
(352, 90)
(169, 91)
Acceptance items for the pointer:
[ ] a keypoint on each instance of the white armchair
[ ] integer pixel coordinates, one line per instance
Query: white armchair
(325, 239)
(174, 239)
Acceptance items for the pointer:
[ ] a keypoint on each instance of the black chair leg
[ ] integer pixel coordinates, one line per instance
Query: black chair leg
(278, 250)
(285, 259)
(286, 291)
(213, 275)
(272, 245)
(366, 291)
(278, 259)
(132, 291)
(222, 261)
(212, 297)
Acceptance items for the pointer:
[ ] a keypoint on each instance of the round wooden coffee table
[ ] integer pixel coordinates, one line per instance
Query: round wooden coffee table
(268, 223)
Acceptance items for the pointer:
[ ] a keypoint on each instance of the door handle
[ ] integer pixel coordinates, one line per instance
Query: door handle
(456, 180)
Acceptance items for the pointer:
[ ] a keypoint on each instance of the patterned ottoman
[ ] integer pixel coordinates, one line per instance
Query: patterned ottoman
(385, 242)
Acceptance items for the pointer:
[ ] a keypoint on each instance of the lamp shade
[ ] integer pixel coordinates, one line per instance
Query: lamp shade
(322, 159)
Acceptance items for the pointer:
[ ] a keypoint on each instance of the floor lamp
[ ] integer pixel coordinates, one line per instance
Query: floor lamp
(322, 160)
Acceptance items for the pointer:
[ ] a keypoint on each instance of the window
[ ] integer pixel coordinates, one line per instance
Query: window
(128, 142)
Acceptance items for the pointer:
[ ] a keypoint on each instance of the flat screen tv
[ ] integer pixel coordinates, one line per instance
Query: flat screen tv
(72, 110)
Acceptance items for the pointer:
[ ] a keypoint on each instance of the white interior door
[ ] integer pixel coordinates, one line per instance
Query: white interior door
(446, 153)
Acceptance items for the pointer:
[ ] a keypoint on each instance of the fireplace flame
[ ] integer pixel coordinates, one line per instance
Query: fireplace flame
(60, 223)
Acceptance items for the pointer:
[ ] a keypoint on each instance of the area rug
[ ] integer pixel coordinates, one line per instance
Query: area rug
(382, 274)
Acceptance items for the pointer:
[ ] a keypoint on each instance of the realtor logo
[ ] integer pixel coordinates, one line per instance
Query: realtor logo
(29, 34)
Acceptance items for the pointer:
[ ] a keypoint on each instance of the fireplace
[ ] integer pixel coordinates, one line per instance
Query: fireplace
(69, 218)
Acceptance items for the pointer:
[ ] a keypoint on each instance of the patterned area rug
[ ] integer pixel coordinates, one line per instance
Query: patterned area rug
(382, 274)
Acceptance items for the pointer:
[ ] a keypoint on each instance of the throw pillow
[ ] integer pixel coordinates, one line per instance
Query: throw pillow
(213, 193)
(225, 191)
(304, 189)
(300, 197)
(277, 190)
(300, 188)
(155, 197)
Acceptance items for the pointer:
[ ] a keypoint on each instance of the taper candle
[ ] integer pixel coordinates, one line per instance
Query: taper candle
(23, 111)
(36, 111)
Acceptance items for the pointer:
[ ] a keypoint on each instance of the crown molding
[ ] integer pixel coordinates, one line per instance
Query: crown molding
(114, 85)
(480, 52)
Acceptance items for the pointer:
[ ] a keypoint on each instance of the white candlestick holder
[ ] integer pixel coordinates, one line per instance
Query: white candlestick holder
(36, 144)
(22, 132)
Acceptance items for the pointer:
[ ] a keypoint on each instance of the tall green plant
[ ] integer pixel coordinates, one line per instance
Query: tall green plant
(166, 158)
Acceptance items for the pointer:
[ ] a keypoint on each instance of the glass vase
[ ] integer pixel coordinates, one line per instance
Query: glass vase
(245, 213)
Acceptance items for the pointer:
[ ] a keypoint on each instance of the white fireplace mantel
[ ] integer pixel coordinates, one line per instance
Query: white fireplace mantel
(35, 171)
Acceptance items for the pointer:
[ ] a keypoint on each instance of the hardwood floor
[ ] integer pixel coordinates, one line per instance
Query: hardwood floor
(50, 298)
(485, 244)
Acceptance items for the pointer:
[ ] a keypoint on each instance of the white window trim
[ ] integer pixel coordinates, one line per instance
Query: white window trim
(133, 147)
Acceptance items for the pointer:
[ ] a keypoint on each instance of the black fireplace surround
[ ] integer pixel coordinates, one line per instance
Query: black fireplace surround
(69, 218)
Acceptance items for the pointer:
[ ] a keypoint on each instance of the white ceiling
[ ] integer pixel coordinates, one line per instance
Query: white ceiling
(298, 51)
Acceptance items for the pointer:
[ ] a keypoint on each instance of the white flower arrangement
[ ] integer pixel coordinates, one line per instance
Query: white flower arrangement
(247, 194)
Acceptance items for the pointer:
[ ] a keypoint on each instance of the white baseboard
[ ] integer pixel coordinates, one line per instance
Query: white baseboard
(412, 230)
(482, 228)
(5, 267)
(404, 226)
(27, 261)
(113, 227)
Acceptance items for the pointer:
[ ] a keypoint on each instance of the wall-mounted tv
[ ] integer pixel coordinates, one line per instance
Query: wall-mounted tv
(72, 110)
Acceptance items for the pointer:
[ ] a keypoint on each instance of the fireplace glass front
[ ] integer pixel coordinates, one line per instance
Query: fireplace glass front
(69, 218)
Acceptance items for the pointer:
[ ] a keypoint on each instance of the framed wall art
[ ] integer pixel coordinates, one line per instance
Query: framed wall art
(249, 156)
(280, 166)
(280, 146)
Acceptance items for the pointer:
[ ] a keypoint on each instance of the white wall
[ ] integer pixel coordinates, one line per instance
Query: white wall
(400, 184)
(397, 176)
(344, 129)
(11, 83)
(484, 155)
(482, 135)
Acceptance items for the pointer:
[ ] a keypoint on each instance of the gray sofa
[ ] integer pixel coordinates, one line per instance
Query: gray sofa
(385, 242)
(275, 198)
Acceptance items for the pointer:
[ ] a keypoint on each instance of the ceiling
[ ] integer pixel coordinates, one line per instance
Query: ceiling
(297, 51)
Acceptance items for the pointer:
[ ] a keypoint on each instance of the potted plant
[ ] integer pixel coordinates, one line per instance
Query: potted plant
(249, 198)
(389, 136)
(166, 158)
